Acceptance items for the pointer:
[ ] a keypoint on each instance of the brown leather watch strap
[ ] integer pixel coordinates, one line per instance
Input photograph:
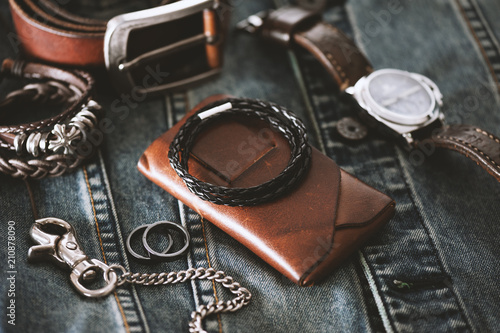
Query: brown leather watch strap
(295, 26)
(340, 56)
(475, 143)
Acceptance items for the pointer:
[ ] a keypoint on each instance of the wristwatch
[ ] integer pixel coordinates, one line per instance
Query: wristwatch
(406, 106)
(169, 46)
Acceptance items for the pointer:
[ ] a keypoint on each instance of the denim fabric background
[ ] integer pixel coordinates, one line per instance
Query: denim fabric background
(443, 239)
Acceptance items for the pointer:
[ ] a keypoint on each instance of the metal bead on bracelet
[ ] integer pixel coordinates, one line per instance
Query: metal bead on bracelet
(278, 117)
(53, 146)
(62, 138)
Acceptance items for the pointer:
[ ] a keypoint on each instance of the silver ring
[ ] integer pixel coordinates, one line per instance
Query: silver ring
(165, 225)
(137, 255)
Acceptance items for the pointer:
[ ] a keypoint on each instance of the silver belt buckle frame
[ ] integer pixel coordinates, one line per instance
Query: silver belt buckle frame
(116, 46)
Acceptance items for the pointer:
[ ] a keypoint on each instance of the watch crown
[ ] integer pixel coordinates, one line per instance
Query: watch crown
(350, 90)
(439, 97)
(409, 140)
(253, 23)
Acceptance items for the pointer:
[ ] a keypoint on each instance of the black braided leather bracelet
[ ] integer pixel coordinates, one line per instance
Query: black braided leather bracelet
(277, 116)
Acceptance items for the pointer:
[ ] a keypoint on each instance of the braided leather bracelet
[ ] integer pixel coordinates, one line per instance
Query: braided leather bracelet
(278, 117)
(52, 146)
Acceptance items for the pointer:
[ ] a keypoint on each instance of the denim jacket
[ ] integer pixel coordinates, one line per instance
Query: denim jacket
(434, 267)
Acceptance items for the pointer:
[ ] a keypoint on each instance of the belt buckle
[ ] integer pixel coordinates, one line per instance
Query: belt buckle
(172, 36)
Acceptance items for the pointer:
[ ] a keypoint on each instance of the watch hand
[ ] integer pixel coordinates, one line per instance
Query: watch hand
(406, 93)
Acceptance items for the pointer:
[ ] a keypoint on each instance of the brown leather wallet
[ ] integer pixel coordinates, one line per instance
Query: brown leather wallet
(303, 234)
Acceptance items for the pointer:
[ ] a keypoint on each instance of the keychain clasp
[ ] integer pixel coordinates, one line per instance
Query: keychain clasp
(57, 240)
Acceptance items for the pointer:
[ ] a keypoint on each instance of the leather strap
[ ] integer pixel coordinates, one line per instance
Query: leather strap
(50, 33)
(53, 146)
(295, 26)
(77, 44)
(279, 118)
(28, 70)
(478, 145)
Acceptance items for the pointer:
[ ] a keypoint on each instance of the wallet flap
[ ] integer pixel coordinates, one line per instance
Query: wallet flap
(362, 207)
(360, 203)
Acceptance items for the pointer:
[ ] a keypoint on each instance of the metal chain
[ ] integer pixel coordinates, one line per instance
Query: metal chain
(242, 298)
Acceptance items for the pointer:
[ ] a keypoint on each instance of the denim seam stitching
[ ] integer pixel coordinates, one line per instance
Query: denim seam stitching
(98, 174)
(489, 61)
(120, 242)
(94, 212)
(190, 258)
(431, 240)
(124, 318)
(377, 295)
(210, 266)
(307, 101)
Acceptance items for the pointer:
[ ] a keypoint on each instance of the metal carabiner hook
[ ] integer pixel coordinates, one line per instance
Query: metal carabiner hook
(57, 241)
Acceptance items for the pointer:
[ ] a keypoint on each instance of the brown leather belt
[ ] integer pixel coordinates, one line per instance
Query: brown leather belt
(152, 50)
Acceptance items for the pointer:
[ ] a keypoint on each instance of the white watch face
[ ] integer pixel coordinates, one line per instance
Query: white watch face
(399, 96)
